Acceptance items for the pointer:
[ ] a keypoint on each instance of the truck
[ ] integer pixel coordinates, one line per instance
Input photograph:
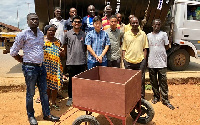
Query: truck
(183, 31)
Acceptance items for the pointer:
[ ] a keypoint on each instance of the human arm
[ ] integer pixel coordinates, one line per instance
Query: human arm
(89, 48)
(103, 53)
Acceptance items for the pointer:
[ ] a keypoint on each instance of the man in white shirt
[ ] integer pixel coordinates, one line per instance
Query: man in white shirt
(157, 63)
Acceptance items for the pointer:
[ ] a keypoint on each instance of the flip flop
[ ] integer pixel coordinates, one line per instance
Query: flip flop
(38, 100)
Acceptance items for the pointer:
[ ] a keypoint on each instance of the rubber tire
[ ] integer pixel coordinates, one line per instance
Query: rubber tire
(86, 118)
(149, 112)
(172, 57)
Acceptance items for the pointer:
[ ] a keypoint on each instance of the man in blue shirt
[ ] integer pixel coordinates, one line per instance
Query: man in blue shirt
(87, 22)
(31, 41)
(97, 42)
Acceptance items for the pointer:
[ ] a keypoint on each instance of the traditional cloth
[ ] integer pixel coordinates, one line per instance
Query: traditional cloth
(53, 64)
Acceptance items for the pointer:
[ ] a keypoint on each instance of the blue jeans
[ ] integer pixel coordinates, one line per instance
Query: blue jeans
(94, 64)
(36, 75)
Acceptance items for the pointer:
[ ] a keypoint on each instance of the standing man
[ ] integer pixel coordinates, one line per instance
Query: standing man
(97, 42)
(134, 50)
(106, 18)
(76, 53)
(122, 25)
(59, 22)
(68, 24)
(157, 63)
(31, 41)
(113, 53)
(87, 23)
(128, 27)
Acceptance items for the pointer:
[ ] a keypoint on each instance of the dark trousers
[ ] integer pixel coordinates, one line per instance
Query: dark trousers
(73, 70)
(114, 63)
(159, 83)
(139, 66)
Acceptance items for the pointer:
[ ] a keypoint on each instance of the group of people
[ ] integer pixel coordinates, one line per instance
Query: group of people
(74, 45)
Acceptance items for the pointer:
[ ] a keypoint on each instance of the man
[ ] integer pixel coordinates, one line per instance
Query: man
(59, 22)
(191, 14)
(113, 53)
(68, 24)
(87, 23)
(134, 50)
(76, 53)
(157, 63)
(97, 42)
(31, 41)
(128, 27)
(122, 25)
(105, 19)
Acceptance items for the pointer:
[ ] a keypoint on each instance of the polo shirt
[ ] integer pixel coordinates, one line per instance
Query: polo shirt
(76, 49)
(134, 46)
(128, 27)
(114, 49)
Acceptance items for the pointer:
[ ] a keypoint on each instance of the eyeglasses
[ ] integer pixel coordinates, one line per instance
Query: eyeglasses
(77, 21)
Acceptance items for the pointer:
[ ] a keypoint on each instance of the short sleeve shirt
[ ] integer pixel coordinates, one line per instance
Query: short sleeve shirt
(98, 41)
(134, 46)
(157, 52)
(76, 49)
(114, 49)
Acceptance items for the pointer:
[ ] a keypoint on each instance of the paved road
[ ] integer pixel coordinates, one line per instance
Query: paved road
(10, 68)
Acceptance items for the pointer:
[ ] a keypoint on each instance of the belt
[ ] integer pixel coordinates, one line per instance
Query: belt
(32, 64)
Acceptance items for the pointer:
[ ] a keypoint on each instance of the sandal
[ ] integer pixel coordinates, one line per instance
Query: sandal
(55, 107)
(155, 100)
(38, 100)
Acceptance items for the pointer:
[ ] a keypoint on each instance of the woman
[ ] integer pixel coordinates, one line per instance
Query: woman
(52, 62)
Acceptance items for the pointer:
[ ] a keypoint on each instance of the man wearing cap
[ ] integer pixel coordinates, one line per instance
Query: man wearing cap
(106, 18)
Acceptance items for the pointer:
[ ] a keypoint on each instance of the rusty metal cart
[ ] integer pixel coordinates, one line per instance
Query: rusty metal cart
(111, 92)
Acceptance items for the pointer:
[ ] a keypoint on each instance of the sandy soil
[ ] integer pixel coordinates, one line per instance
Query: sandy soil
(185, 98)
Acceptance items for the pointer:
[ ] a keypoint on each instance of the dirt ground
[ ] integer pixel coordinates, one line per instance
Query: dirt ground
(185, 98)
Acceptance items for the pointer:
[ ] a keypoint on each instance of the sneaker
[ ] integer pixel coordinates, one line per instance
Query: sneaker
(69, 102)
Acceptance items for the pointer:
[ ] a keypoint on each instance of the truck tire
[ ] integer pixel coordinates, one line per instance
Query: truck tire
(178, 60)
(147, 113)
(86, 118)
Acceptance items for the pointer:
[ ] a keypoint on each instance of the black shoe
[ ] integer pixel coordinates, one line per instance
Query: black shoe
(169, 105)
(32, 121)
(155, 100)
(51, 118)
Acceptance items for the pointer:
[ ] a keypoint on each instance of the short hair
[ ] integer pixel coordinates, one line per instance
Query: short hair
(57, 8)
(156, 20)
(46, 28)
(113, 16)
(30, 14)
(97, 18)
(76, 17)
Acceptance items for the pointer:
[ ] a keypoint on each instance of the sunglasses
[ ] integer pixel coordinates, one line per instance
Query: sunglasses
(77, 21)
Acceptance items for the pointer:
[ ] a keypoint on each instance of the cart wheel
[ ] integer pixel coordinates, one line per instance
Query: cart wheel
(147, 113)
(86, 119)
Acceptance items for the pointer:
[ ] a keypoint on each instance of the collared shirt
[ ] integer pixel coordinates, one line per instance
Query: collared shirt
(98, 41)
(76, 48)
(157, 52)
(87, 24)
(134, 46)
(68, 24)
(114, 49)
(31, 45)
(106, 23)
(60, 28)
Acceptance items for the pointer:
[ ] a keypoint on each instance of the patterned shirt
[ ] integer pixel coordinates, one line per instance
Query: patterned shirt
(87, 24)
(98, 41)
(106, 23)
(31, 45)
(60, 28)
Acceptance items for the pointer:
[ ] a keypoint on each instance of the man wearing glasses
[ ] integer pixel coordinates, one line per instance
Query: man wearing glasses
(76, 53)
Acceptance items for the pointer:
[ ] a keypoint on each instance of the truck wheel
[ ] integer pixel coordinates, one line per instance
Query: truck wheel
(86, 119)
(147, 113)
(179, 60)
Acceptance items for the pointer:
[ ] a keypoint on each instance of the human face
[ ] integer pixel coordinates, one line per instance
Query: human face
(51, 32)
(134, 23)
(97, 26)
(57, 13)
(33, 21)
(72, 12)
(113, 23)
(130, 17)
(156, 26)
(76, 23)
(91, 11)
(119, 17)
